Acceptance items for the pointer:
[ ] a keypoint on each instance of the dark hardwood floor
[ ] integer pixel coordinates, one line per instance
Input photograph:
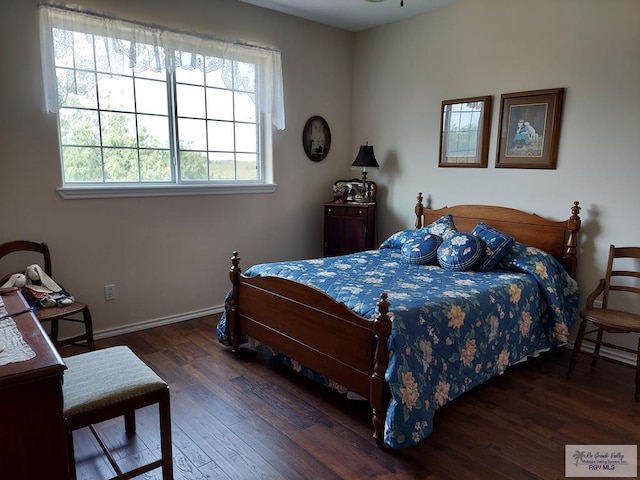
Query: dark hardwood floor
(254, 419)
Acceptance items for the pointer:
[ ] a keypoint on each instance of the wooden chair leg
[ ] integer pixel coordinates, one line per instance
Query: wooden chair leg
(596, 352)
(577, 346)
(53, 334)
(88, 325)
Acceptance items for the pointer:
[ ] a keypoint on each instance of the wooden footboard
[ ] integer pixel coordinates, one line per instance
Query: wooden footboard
(309, 326)
(315, 330)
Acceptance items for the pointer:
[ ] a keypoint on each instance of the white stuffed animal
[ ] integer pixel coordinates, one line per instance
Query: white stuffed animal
(41, 286)
(17, 280)
(39, 281)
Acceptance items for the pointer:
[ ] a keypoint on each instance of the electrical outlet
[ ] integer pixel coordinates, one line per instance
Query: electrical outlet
(110, 292)
(597, 304)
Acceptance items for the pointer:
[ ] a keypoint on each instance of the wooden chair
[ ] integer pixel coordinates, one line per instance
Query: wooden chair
(77, 312)
(109, 383)
(608, 320)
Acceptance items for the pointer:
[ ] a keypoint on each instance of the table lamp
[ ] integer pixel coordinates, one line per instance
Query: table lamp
(365, 159)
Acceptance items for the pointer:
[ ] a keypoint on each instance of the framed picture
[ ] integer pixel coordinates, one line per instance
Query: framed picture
(529, 129)
(316, 138)
(464, 132)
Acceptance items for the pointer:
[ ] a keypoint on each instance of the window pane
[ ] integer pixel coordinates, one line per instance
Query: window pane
(190, 101)
(113, 55)
(120, 165)
(221, 136)
(118, 129)
(76, 89)
(220, 77)
(155, 165)
(219, 104)
(82, 164)
(246, 138)
(63, 56)
(193, 166)
(82, 51)
(192, 134)
(222, 166)
(79, 127)
(246, 167)
(116, 93)
(153, 131)
(245, 77)
(190, 70)
(245, 107)
(151, 96)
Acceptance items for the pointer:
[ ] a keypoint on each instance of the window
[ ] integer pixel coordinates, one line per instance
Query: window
(145, 111)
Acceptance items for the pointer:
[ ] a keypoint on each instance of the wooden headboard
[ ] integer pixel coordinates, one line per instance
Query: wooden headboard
(557, 238)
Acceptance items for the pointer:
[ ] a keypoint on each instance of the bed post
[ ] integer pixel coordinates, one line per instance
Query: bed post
(379, 389)
(418, 210)
(233, 312)
(571, 247)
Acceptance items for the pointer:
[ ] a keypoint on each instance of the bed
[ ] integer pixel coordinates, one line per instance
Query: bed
(356, 322)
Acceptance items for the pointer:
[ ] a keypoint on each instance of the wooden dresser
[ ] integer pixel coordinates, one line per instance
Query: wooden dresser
(32, 440)
(348, 227)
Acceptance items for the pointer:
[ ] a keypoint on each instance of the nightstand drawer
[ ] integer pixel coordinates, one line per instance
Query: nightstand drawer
(346, 210)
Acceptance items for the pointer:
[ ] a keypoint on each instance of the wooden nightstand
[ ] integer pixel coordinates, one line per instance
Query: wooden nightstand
(348, 227)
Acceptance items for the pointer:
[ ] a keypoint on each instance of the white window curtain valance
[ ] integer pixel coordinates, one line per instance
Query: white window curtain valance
(126, 45)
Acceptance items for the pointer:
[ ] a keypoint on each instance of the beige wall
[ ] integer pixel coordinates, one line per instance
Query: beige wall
(170, 256)
(590, 47)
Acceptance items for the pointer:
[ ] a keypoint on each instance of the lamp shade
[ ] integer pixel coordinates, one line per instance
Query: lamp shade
(365, 158)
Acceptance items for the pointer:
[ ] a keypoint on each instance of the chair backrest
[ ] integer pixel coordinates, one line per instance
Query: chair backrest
(627, 280)
(16, 246)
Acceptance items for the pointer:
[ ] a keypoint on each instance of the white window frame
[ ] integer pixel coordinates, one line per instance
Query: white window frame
(268, 97)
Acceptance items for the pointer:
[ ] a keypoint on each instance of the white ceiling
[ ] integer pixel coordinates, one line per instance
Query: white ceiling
(352, 15)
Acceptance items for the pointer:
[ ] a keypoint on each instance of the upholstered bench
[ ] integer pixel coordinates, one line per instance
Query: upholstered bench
(109, 383)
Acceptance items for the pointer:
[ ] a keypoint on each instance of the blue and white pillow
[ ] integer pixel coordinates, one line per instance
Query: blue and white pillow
(442, 227)
(422, 249)
(398, 239)
(461, 251)
(495, 245)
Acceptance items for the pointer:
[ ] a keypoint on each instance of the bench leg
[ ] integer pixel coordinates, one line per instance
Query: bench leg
(165, 436)
(130, 422)
(71, 454)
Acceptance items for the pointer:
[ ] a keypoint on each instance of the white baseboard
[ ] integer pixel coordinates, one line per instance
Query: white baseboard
(135, 327)
(607, 352)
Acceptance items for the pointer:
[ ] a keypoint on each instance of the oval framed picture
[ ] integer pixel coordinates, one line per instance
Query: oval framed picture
(316, 138)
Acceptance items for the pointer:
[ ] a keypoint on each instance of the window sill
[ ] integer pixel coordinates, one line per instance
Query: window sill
(78, 193)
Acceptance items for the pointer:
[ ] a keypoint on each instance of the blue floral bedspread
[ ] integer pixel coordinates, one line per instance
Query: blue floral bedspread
(452, 330)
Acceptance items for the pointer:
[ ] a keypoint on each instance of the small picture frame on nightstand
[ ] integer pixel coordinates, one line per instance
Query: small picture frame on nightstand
(354, 190)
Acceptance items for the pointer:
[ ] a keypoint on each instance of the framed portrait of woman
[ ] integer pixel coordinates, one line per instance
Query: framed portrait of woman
(316, 138)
